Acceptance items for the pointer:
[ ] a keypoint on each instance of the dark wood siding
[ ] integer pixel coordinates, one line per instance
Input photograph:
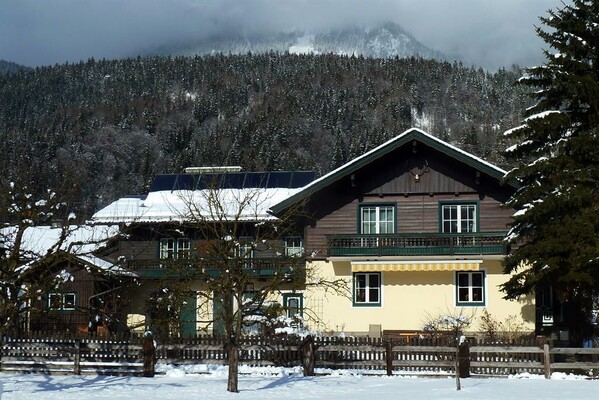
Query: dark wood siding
(415, 179)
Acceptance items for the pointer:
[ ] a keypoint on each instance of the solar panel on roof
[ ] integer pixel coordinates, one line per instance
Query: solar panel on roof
(301, 178)
(233, 180)
(279, 179)
(185, 182)
(163, 182)
(255, 180)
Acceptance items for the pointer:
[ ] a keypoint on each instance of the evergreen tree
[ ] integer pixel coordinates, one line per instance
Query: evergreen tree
(556, 224)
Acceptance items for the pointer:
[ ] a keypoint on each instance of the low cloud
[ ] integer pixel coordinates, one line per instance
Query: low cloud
(483, 33)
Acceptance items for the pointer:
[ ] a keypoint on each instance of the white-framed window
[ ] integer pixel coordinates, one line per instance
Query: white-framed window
(293, 303)
(470, 288)
(246, 247)
(367, 289)
(294, 246)
(377, 219)
(172, 249)
(245, 250)
(62, 301)
(458, 218)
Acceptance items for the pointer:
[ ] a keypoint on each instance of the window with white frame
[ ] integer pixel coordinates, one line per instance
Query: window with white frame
(367, 288)
(293, 246)
(246, 249)
(62, 301)
(377, 219)
(293, 304)
(172, 249)
(470, 288)
(458, 218)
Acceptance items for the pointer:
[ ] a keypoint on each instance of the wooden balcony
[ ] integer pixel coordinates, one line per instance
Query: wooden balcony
(259, 268)
(434, 244)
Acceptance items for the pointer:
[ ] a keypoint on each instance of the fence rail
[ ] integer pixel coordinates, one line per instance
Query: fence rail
(126, 356)
(77, 356)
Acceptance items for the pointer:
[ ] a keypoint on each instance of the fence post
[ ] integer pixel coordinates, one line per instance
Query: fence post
(389, 356)
(77, 361)
(547, 361)
(149, 355)
(307, 352)
(464, 359)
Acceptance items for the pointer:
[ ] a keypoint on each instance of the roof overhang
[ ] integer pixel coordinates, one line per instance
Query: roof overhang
(384, 149)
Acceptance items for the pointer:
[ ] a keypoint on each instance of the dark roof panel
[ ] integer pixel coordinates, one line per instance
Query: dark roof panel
(233, 180)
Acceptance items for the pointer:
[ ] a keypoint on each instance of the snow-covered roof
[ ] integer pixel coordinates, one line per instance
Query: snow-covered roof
(249, 204)
(81, 241)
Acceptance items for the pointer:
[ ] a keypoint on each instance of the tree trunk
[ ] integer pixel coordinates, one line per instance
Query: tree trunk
(149, 356)
(458, 384)
(307, 350)
(233, 354)
(464, 359)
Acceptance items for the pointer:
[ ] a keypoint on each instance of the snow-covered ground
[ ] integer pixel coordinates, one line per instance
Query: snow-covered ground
(279, 383)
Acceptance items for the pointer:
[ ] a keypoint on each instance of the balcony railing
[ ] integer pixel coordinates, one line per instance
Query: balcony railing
(254, 267)
(483, 243)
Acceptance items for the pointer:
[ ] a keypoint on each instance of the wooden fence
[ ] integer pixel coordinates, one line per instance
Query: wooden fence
(72, 356)
(428, 357)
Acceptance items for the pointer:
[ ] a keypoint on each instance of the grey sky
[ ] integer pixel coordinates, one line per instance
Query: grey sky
(489, 33)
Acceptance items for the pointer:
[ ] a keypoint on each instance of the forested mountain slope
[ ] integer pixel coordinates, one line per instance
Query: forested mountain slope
(385, 40)
(7, 67)
(112, 125)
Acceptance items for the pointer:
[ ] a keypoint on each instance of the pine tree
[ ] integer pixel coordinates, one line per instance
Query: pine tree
(556, 223)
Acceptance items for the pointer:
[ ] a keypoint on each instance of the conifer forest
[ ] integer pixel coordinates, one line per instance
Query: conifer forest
(107, 127)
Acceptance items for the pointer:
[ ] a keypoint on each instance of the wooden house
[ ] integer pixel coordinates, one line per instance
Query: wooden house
(417, 227)
(171, 232)
(83, 290)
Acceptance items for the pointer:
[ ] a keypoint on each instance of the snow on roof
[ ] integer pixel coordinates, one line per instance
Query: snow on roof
(81, 241)
(249, 204)
(401, 136)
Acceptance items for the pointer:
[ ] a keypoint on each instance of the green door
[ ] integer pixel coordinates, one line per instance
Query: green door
(218, 325)
(189, 315)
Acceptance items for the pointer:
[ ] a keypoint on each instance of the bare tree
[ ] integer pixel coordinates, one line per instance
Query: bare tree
(243, 258)
(454, 324)
(32, 250)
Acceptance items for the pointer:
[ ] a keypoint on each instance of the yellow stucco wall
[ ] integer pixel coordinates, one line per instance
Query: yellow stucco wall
(409, 300)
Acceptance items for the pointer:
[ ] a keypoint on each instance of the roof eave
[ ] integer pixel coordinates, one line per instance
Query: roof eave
(382, 150)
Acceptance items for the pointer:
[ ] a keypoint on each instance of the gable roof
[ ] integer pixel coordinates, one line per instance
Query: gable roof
(243, 196)
(384, 149)
(80, 241)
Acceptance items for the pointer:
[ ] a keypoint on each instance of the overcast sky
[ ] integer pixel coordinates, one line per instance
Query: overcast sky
(488, 33)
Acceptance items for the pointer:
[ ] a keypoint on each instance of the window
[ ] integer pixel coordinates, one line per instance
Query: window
(172, 249)
(62, 301)
(377, 219)
(245, 250)
(470, 288)
(367, 289)
(293, 246)
(293, 304)
(458, 218)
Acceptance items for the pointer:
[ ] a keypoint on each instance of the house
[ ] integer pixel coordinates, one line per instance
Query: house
(417, 226)
(172, 237)
(82, 289)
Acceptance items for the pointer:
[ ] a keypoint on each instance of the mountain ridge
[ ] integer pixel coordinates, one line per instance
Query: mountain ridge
(386, 40)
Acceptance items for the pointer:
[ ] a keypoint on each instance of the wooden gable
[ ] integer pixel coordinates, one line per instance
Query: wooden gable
(415, 173)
